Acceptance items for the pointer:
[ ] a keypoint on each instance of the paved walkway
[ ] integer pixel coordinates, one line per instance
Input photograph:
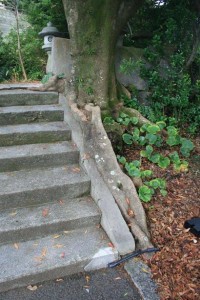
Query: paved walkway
(107, 284)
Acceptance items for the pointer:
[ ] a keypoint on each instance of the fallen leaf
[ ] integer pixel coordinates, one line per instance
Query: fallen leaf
(76, 170)
(117, 278)
(86, 286)
(130, 213)
(44, 252)
(86, 156)
(62, 255)
(58, 246)
(16, 246)
(45, 212)
(38, 258)
(127, 201)
(56, 236)
(66, 231)
(111, 245)
(87, 278)
(59, 280)
(13, 213)
(61, 201)
(32, 287)
(144, 270)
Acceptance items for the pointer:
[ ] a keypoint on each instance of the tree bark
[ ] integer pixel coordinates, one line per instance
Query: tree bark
(94, 28)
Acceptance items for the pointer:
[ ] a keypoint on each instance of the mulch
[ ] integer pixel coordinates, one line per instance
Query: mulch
(176, 268)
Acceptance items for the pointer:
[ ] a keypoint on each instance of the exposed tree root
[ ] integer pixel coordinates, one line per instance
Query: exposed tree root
(135, 113)
(54, 84)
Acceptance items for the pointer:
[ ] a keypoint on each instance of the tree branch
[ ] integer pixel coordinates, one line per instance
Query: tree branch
(127, 10)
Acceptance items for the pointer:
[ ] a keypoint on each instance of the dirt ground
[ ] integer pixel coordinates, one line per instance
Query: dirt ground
(176, 268)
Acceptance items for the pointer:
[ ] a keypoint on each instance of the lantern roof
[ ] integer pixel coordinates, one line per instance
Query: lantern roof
(50, 30)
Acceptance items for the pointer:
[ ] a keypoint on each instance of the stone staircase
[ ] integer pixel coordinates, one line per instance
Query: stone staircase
(49, 224)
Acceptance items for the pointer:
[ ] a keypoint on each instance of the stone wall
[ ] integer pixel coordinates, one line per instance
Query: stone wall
(8, 22)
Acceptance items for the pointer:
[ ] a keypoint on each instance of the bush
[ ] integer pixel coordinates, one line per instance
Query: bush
(33, 56)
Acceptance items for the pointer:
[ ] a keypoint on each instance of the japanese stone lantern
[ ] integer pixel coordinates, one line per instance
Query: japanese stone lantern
(48, 33)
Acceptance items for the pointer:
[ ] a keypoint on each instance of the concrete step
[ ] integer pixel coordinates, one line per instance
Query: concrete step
(34, 133)
(35, 261)
(32, 187)
(30, 114)
(14, 158)
(26, 97)
(28, 223)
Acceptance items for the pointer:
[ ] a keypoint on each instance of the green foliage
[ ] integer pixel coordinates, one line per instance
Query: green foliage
(41, 12)
(145, 193)
(33, 56)
(173, 86)
(108, 121)
(46, 77)
(38, 14)
(150, 137)
(186, 147)
(147, 190)
(129, 65)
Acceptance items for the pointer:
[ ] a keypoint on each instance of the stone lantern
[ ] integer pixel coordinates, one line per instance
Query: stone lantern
(48, 33)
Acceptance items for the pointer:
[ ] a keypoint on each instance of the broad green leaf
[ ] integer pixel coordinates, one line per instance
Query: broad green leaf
(173, 140)
(162, 183)
(146, 173)
(161, 124)
(174, 157)
(134, 120)
(108, 121)
(121, 159)
(123, 115)
(149, 150)
(143, 128)
(154, 183)
(182, 166)
(152, 138)
(127, 138)
(172, 130)
(126, 121)
(136, 134)
(153, 129)
(187, 147)
(142, 140)
(119, 120)
(163, 192)
(136, 163)
(155, 158)
(143, 153)
(163, 162)
(134, 172)
(145, 193)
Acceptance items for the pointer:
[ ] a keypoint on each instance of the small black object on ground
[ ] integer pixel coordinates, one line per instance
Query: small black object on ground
(131, 255)
(194, 225)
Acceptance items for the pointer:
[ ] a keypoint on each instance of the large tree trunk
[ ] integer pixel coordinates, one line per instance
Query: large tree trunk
(94, 28)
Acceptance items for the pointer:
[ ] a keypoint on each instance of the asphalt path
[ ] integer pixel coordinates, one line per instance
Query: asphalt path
(106, 284)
